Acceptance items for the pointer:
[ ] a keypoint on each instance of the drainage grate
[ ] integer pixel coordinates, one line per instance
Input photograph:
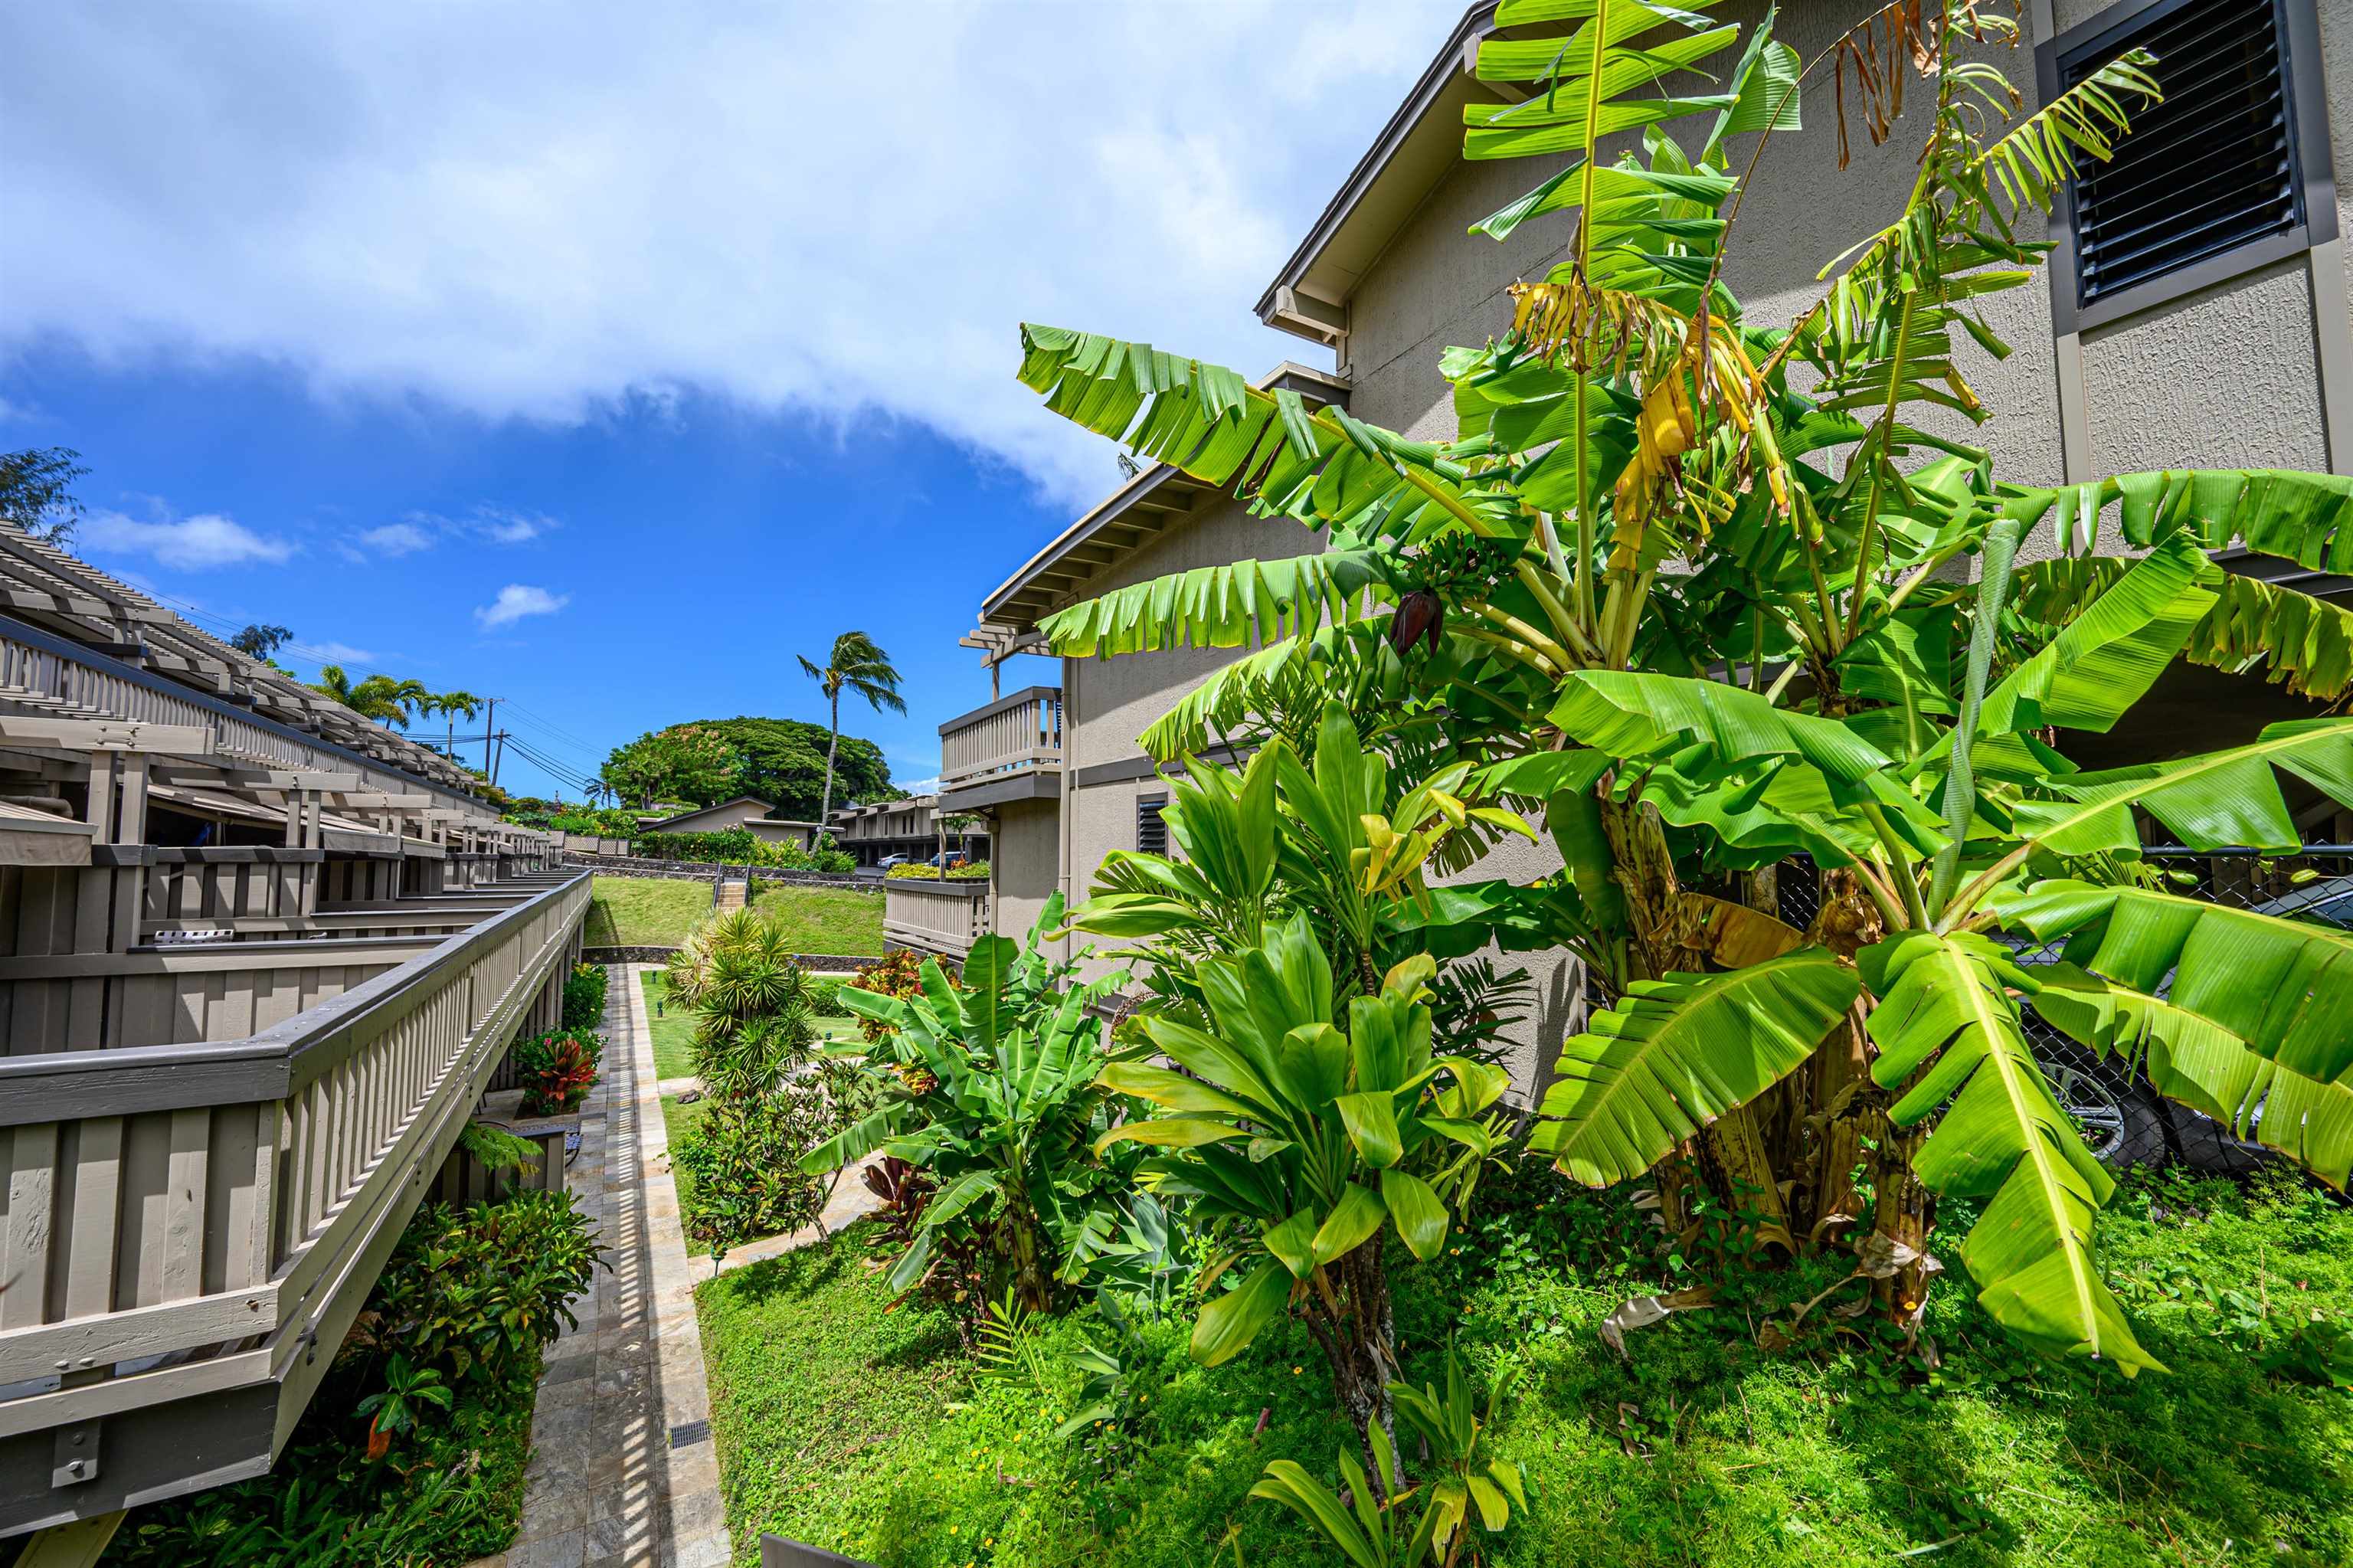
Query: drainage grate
(689, 1432)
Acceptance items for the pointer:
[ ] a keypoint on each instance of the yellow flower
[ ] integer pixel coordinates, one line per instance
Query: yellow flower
(1295, 1372)
(951, 1530)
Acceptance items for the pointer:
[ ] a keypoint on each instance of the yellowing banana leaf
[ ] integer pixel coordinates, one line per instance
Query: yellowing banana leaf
(1947, 1027)
(1675, 1054)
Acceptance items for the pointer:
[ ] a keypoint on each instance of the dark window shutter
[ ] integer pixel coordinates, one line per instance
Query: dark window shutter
(2211, 168)
(1151, 833)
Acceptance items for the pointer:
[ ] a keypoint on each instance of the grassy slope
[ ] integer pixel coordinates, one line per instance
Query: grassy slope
(825, 920)
(644, 911)
(657, 912)
(863, 1430)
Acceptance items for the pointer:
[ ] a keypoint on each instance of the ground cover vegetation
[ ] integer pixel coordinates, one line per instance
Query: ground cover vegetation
(412, 1452)
(835, 921)
(958, 870)
(643, 911)
(1677, 588)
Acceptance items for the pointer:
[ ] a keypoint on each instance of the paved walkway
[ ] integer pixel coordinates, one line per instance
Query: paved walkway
(623, 1473)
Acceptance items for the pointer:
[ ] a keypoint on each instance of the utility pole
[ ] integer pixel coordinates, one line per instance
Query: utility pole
(497, 757)
(489, 726)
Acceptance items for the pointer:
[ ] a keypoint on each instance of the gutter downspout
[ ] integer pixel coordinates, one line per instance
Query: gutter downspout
(1070, 783)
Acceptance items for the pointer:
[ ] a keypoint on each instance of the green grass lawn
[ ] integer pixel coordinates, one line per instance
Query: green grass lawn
(848, 1423)
(644, 911)
(825, 920)
(676, 1119)
(673, 1032)
(657, 912)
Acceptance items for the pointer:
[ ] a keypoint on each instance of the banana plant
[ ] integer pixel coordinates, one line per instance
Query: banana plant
(1303, 1133)
(996, 1095)
(1699, 616)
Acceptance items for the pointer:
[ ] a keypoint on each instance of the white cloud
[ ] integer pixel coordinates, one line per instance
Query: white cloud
(397, 539)
(186, 544)
(787, 207)
(502, 526)
(517, 601)
(340, 653)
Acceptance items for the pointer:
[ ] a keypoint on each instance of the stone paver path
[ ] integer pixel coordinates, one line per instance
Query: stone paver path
(623, 1472)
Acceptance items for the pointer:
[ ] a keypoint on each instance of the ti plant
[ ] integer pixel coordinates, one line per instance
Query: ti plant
(1463, 1480)
(1303, 1134)
(995, 1096)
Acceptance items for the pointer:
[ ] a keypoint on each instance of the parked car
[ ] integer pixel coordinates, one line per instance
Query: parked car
(888, 860)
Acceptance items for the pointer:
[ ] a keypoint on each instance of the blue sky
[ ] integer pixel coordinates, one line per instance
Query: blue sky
(603, 359)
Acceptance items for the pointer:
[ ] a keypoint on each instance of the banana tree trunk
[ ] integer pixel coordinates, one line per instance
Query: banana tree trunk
(1728, 1160)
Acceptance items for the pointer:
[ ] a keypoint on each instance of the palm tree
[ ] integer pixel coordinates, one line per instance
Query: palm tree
(449, 704)
(866, 670)
(379, 697)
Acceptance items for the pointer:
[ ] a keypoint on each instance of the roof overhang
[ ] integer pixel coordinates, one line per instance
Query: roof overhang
(1413, 153)
(1147, 505)
(1004, 788)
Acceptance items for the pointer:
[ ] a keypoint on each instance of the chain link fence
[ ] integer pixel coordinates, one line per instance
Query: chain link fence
(2125, 1122)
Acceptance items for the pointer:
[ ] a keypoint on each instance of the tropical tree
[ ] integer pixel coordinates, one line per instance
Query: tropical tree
(1309, 1112)
(858, 666)
(1698, 616)
(378, 697)
(260, 641)
(36, 493)
(684, 762)
(453, 706)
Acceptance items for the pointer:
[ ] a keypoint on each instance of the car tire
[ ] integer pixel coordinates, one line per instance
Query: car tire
(2124, 1123)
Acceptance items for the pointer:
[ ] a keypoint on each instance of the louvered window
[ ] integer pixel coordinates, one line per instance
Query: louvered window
(2211, 169)
(1151, 833)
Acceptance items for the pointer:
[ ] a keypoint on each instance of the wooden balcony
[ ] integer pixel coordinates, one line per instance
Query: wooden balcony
(941, 918)
(1009, 750)
(211, 1149)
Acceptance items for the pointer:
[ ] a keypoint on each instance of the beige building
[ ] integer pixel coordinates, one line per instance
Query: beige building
(260, 961)
(745, 811)
(2196, 315)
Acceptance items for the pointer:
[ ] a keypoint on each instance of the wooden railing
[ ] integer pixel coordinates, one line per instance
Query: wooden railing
(943, 917)
(1023, 730)
(190, 1228)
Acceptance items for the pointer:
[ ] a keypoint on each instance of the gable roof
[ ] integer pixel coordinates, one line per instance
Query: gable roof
(765, 809)
(1421, 144)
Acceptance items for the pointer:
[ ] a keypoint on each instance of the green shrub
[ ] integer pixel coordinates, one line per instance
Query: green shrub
(824, 994)
(958, 871)
(741, 846)
(558, 1069)
(413, 1449)
(742, 1158)
(583, 996)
